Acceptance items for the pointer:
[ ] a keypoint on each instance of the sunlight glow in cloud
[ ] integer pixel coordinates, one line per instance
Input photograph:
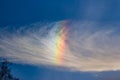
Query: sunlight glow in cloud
(82, 46)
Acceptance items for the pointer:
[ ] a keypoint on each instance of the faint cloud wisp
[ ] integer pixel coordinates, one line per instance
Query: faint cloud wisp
(89, 46)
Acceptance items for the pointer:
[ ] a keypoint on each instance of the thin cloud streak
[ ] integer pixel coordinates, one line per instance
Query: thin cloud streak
(89, 46)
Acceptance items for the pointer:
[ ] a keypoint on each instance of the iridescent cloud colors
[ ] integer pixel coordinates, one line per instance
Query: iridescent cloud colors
(81, 46)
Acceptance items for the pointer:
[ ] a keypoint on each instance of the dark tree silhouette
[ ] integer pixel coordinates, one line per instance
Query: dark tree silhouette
(5, 72)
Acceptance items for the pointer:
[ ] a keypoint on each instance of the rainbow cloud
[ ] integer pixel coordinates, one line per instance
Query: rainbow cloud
(81, 46)
(60, 43)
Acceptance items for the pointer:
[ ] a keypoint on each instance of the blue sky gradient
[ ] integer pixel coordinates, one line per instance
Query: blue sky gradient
(24, 12)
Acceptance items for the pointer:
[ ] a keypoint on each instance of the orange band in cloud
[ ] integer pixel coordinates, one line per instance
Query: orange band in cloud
(60, 43)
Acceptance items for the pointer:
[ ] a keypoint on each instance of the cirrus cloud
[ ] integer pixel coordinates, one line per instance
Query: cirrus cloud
(89, 46)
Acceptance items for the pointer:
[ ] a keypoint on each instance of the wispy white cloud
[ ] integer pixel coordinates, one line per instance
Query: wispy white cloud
(89, 46)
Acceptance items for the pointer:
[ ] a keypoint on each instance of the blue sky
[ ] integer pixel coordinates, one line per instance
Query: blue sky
(22, 12)
(25, 12)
